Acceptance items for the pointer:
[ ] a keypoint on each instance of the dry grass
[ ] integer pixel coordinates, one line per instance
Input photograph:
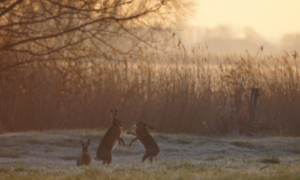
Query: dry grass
(164, 170)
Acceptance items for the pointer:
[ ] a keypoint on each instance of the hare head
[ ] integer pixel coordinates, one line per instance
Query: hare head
(115, 121)
(143, 124)
(85, 147)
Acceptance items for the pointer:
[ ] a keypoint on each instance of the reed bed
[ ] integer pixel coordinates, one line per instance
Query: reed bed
(184, 90)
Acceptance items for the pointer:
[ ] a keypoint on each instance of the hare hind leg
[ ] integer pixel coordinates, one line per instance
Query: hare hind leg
(151, 157)
(106, 162)
(107, 157)
(78, 162)
(148, 155)
(144, 158)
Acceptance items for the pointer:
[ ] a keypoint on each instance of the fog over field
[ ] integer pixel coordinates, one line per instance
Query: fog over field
(233, 26)
(224, 40)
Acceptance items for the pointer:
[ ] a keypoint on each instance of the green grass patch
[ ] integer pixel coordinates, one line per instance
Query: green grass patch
(9, 153)
(243, 144)
(184, 139)
(172, 149)
(70, 157)
(211, 158)
(126, 150)
(66, 142)
(270, 159)
(294, 149)
(34, 141)
(221, 151)
(161, 136)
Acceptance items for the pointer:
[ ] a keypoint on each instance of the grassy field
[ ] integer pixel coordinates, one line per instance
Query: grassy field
(53, 154)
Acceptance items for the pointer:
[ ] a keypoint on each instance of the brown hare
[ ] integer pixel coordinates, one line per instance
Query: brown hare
(150, 145)
(109, 140)
(85, 157)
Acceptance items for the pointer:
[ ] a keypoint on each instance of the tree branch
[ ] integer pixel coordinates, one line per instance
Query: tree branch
(8, 46)
(11, 7)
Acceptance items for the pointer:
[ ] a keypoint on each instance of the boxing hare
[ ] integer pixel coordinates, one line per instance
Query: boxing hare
(109, 140)
(150, 145)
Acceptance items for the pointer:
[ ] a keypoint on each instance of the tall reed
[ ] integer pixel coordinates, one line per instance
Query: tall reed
(186, 90)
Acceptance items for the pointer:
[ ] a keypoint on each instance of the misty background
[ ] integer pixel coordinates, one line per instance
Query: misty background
(232, 27)
(224, 40)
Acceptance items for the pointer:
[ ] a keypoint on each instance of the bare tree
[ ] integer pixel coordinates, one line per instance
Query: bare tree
(52, 51)
(74, 30)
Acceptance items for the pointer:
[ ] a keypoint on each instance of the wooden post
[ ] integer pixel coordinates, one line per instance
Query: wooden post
(253, 100)
(149, 94)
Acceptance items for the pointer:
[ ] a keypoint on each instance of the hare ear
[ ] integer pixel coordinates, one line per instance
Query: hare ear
(137, 123)
(82, 143)
(88, 142)
(112, 113)
(150, 127)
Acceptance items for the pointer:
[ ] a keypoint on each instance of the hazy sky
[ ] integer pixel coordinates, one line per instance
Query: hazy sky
(270, 18)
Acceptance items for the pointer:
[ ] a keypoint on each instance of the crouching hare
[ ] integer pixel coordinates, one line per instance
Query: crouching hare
(85, 158)
(109, 140)
(150, 145)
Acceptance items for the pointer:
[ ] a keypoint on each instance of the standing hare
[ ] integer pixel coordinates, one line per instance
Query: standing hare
(85, 157)
(109, 140)
(142, 134)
